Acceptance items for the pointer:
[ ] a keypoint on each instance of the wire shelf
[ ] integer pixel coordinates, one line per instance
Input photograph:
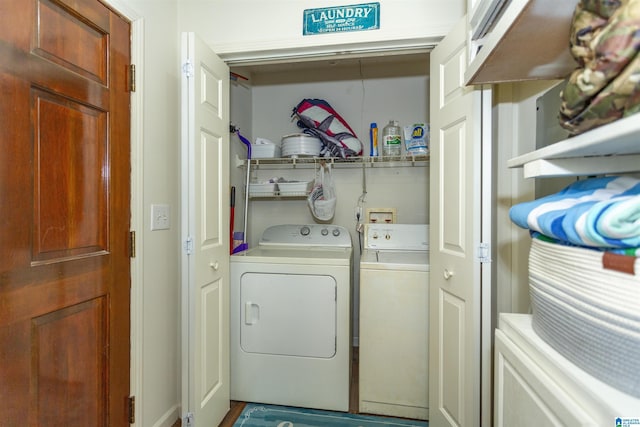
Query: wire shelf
(406, 160)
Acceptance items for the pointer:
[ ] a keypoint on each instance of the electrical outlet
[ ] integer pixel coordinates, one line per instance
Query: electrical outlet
(160, 217)
(381, 215)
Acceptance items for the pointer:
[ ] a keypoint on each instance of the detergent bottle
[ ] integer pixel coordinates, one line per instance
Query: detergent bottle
(392, 139)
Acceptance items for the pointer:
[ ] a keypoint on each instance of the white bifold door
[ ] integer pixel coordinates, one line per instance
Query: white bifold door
(205, 221)
(459, 298)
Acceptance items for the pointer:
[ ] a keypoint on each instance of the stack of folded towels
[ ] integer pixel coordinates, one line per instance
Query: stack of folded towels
(599, 213)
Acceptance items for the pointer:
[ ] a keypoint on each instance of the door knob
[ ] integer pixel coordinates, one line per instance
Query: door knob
(214, 265)
(447, 274)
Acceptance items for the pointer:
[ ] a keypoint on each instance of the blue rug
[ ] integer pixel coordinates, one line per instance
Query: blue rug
(259, 415)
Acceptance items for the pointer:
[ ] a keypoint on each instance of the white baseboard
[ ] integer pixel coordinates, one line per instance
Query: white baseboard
(169, 418)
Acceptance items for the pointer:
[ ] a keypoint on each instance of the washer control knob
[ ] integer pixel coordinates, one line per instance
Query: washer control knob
(336, 232)
(324, 231)
(305, 230)
(374, 235)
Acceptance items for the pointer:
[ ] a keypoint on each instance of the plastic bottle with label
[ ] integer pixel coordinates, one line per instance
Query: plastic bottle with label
(392, 139)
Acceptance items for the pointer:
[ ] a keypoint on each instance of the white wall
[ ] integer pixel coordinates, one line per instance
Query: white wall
(275, 27)
(516, 106)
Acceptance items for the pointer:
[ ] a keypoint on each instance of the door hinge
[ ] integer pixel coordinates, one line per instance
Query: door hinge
(132, 78)
(188, 245)
(188, 419)
(187, 68)
(132, 244)
(484, 253)
(132, 409)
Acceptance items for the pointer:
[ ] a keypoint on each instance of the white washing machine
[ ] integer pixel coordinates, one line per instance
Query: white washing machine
(394, 292)
(290, 318)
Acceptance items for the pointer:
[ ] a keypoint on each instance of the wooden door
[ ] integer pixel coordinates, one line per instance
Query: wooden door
(455, 297)
(64, 214)
(205, 230)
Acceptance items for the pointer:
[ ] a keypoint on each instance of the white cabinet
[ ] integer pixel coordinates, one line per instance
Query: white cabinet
(536, 386)
(529, 41)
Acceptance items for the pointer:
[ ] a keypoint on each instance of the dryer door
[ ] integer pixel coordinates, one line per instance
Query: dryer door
(288, 314)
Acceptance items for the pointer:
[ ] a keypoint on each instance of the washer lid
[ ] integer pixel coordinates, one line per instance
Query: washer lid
(395, 260)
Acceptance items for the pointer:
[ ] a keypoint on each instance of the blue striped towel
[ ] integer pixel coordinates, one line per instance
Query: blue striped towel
(595, 212)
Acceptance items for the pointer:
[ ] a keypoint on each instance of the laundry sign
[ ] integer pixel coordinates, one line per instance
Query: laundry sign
(356, 17)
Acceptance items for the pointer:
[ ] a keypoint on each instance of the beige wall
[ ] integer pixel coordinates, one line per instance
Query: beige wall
(360, 101)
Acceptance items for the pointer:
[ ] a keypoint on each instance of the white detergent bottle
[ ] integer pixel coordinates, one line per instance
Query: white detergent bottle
(392, 139)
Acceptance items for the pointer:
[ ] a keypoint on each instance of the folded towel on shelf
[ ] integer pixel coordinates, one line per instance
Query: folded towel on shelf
(595, 212)
(629, 251)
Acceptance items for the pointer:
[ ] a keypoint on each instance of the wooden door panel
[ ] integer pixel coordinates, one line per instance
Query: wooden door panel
(68, 363)
(64, 214)
(62, 37)
(70, 189)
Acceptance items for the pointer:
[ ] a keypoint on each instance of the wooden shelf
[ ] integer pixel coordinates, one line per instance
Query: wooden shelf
(613, 148)
(530, 41)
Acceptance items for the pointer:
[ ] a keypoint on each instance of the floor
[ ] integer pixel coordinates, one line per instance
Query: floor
(237, 407)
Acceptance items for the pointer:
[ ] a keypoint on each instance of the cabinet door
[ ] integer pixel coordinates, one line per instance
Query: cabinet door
(526, 396)
(393, 352)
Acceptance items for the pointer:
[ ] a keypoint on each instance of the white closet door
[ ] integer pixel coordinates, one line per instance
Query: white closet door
(288, 314)
(205, 224)
(456, 194)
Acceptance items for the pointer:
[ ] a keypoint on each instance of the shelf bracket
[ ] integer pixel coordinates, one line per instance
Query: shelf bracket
(239, 162)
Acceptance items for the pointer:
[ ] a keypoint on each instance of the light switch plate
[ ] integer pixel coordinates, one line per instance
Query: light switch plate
(160, 217)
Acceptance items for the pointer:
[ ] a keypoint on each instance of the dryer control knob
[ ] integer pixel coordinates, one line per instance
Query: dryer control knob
(324, 231)
(305, 230)
(336, 232)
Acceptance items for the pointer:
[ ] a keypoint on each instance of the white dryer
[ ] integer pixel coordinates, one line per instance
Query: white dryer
(290, 318)
(394, 291)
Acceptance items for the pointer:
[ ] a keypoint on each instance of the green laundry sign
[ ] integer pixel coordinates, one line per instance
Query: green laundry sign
(357, 17)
